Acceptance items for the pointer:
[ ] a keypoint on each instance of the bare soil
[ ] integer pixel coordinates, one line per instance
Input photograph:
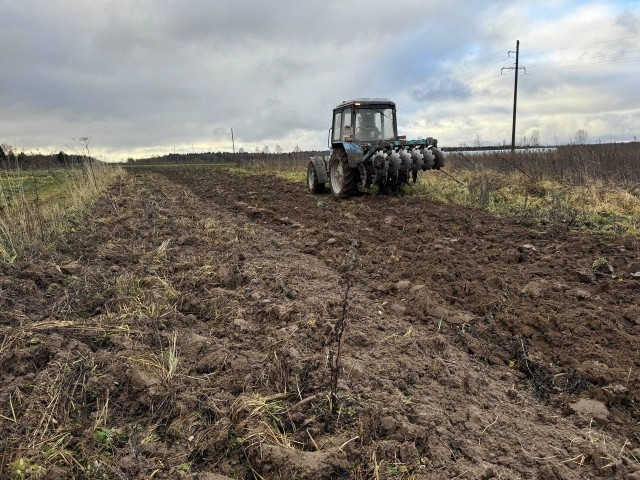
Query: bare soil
(186, 328)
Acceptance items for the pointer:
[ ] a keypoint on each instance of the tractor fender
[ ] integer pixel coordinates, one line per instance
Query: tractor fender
(321, 169)
(355, 154)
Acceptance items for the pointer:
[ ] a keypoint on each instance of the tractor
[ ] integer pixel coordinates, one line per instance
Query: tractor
(365, 150)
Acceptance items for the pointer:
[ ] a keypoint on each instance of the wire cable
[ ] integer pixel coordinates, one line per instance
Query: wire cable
(578, 46)
(589, 29)
(573, 67)
(535, 68)
(535, 65)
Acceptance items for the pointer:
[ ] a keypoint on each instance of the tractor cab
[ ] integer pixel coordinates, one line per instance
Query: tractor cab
(364, 121)
(365, 150)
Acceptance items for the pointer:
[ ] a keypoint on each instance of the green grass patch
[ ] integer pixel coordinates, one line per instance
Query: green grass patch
(44, 186)
(36, 205)
(290, 175)
(173, 165)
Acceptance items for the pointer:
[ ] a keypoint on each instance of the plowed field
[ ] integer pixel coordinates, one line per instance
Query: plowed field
(186, 329)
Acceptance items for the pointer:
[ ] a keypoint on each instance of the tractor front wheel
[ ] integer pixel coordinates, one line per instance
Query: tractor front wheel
(312, 180)
(343, 178)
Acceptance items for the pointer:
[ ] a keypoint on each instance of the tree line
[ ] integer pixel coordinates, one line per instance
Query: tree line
(10, 160)
(223, 157)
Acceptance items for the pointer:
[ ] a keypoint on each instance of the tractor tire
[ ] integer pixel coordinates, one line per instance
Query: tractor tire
(342, 178)
(312, 180)
(365, 178)
(438, 158)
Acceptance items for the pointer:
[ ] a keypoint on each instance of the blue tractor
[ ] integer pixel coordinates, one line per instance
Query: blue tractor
(366, 150)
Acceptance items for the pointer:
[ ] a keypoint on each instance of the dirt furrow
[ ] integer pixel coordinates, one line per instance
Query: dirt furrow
(173, 335)
(564, 301)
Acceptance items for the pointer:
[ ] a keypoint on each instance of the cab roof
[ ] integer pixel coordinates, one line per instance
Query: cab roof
(367, 101)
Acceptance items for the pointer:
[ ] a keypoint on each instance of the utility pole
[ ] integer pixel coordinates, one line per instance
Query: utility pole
(515, 92)
(233, 143)
(515, 99)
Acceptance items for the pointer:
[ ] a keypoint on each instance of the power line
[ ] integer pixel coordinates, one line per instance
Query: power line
(535, 65)
(582, 45)
(573, 67)
(589, 29)
(493, 78)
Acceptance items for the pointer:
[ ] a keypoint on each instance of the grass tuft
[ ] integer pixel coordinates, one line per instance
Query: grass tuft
(260, 419)
(36, 206)
(165, 364)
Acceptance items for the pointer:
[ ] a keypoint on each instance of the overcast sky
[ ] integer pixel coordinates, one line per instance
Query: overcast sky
(143, 77)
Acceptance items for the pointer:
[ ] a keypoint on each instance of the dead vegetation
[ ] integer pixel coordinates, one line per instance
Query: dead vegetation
(179, 333)
(585, 187)
(32, 219)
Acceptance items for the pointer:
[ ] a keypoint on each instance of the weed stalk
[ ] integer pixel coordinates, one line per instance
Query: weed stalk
(335, 356)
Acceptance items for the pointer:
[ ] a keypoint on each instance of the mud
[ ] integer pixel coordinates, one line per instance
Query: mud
(186, 329)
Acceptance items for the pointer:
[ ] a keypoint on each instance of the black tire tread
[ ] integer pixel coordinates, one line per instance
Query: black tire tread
(317, 187)
(350, 175)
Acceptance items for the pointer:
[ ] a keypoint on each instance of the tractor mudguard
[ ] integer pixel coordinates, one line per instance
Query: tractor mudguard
(355, 154)
(321, 169)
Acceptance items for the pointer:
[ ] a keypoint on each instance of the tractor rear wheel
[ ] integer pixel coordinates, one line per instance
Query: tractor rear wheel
(312, 180)
(343, 179)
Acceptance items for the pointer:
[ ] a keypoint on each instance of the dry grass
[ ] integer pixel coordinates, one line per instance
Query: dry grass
(598, 206)
(31, 219)
(38, 414)
(165, 363)
(260, 419)
(586, 187)
(592, 446)
(579, 165)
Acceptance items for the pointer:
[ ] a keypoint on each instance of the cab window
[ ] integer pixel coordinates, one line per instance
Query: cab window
(337, 126)
(374, 124)
(346, 125)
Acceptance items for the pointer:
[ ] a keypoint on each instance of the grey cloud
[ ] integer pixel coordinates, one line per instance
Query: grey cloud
(439, 88)
(138, 75)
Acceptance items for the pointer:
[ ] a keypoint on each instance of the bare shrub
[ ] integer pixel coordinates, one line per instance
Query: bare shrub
(578, 165)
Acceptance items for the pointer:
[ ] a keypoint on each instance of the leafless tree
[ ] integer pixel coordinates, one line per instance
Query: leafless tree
(581, 136)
